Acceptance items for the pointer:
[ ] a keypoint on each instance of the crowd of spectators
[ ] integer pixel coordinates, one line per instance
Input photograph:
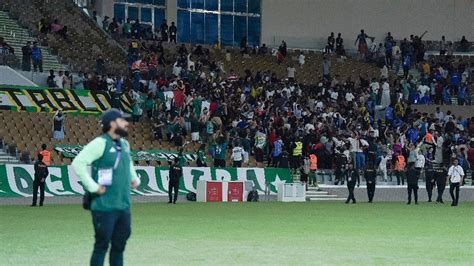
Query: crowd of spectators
(279, 121)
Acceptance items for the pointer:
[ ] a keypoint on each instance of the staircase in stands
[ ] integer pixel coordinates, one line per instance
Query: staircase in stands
(16, 36)
(317, 194)
(6, 158)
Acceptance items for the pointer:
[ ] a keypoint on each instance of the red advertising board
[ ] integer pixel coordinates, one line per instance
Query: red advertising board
(214, 191)
(235, 191)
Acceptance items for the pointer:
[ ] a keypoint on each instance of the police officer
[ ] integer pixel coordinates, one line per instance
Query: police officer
(412, 182)
(110, 181)
(352, 177)
(176, 171)
(440, 178)
(430, 180)
(370, 178)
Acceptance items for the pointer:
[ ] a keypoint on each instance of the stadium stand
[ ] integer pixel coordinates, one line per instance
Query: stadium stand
(17, 37)
(85, 42)
(325, 104)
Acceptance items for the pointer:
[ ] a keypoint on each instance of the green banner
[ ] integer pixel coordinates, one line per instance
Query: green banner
(71, 151)
(36, 99)
(16, 180)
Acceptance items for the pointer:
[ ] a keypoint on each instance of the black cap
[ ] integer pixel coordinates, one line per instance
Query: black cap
(110, 115)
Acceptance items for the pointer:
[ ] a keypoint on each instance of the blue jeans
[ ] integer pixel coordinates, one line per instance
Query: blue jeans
(110, 226)
(360, 160)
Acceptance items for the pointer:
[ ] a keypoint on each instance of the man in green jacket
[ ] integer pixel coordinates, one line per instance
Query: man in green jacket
(110, 181)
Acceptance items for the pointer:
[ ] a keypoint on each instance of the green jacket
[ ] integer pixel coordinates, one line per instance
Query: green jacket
(101, 153)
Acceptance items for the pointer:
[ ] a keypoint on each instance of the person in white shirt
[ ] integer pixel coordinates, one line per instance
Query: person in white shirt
(384, 72)
(383, 165)
(59, 80)
(237, 156)
(349, 96)
(291, 71)
(301, 58)
(385, 101)
(420, 162)
(423, 90)
(455, 177)
(439, 114)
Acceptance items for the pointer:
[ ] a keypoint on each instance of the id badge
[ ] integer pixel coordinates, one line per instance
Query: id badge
(105, 177)
(350, 178)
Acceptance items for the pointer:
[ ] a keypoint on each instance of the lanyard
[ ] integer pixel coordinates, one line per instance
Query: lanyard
(118, 147)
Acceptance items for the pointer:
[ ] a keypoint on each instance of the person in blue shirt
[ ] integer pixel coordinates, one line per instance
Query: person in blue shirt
(276, 152)
(37, 58)
(406, 65)
(462, 93)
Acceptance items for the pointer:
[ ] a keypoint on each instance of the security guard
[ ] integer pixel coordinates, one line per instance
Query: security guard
(352, 177)
(110, 181)
(400, 168)
(370, 178)
(176, 171)
(430, 180)
(297, 152)
(440, 175)
(412, 182)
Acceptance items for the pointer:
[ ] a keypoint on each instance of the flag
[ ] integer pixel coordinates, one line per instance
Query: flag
(168, 97)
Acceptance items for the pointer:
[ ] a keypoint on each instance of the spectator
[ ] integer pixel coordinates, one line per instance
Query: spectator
(51, 79)
(164, 31)
(127, 29)
(58, 126)
(326, 68)
(55, 26)
(59, 80)
(340, 45)
(78, 81)
(443, 46)
(114, 28)
(464, 45)
(26, 57)
(301, 58)
(105, 24)
(5, 48)
(330, 44)
(173, 32)
(67, 80)
(291, 70)
(362, 46)
(263, 50)
(37, 58)
(42, 26)
(94, 16)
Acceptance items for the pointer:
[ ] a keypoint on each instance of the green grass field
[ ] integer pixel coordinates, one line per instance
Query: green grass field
(269, 233)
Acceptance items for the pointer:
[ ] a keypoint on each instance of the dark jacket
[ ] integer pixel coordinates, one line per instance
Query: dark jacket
(352, 177)
(440, 176)
(412, 176)
(175, 173)
(370, 176)
(41, 171)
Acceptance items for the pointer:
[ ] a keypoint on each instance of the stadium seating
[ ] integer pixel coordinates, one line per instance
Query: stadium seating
(16, 36)
(25, 141)
(85, 41)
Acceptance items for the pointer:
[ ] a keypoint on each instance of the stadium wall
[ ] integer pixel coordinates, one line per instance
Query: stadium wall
(306, 23)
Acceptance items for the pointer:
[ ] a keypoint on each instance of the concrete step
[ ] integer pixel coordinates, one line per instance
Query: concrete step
(311, 192)
(326, 199)
(322, 196)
